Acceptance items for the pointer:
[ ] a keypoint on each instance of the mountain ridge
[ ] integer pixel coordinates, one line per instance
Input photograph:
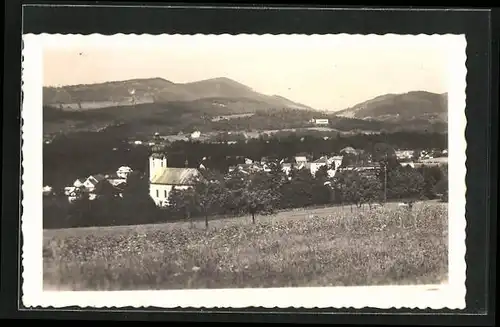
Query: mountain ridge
(401, 107)
(155, 90)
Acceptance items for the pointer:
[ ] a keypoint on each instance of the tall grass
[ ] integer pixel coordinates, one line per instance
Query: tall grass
(331, 248)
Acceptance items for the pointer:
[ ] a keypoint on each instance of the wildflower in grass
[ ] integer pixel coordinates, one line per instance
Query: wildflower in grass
(283, 252)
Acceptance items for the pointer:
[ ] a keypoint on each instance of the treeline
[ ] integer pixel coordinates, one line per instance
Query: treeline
(237, 194)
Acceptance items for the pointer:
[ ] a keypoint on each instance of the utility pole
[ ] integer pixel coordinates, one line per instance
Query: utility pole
(385, 183)
(385, 179)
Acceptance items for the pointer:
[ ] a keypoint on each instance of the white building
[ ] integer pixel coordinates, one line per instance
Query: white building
(321, 121)
(163, 179)
(409, 164)
(337, 160)
(300, 159)
(195, 134)
(323, 161)
(286, 168)
(92, 181)
(317, 164)
(404, 154)
(124, 172)
(47, 190)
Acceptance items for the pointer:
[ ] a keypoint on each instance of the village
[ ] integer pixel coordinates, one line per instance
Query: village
(163, 179)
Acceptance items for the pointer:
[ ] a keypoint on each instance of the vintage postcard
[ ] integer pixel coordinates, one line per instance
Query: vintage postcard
(307, 171)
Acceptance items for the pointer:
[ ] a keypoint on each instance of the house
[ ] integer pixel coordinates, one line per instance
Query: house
(195, 134)
(286, 168)
(162, 179)
(73, 193)
(47, 190)
(348, 150)
(317, 164)
(404, 154)
(124, 172)
(79, 182)
(324, 161)
(300, 159)
(246, 168)
(303, 165)
(407, 164)
(92, 181)
(116, 180)
(337, 160)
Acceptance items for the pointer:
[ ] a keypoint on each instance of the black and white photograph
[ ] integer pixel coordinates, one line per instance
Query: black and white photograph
(244, 170)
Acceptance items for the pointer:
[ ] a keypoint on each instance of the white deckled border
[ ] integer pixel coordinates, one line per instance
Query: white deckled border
(450, 295)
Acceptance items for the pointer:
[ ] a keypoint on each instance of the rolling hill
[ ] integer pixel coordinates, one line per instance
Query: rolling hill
(222, 94)
(158, 105)
(411, 107)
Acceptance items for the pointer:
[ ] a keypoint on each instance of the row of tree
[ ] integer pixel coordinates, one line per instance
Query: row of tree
(265, 192)
(237, 194)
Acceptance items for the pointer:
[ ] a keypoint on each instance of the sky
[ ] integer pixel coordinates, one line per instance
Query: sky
(324, 72)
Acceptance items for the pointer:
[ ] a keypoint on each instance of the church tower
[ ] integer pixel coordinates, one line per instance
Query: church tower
(157, 161)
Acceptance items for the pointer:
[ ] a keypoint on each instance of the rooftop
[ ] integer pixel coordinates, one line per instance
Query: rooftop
(175, 176)
(321, 160)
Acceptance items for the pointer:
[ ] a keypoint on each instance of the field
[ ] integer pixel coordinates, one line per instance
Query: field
(308, 247)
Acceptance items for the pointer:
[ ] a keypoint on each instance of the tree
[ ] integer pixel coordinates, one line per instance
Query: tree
(441, 186)
(432, 175)
(208, 196)
(298, 192)
(340, 187)
(56, 212)
(371, 190)
(385, 155)
(353, 187)
(258, 195)
(321, 174)
(258, 201)
(405, 183)
(277, 178)
(80, 212)
(182, 202)
(136, 198)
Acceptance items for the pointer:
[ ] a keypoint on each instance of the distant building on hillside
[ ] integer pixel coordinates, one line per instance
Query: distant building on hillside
(320, 121)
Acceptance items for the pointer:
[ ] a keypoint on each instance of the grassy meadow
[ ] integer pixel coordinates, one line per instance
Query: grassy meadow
(300, 248)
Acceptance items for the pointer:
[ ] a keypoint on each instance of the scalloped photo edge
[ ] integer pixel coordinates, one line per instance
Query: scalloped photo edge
(450, 294)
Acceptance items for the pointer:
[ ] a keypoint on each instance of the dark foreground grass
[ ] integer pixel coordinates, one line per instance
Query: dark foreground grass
(322, 247)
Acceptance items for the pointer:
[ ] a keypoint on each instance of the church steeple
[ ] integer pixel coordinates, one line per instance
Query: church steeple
(157, 151)
(157, 160)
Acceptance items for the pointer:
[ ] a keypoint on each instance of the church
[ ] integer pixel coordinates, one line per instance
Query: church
(162, 179)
